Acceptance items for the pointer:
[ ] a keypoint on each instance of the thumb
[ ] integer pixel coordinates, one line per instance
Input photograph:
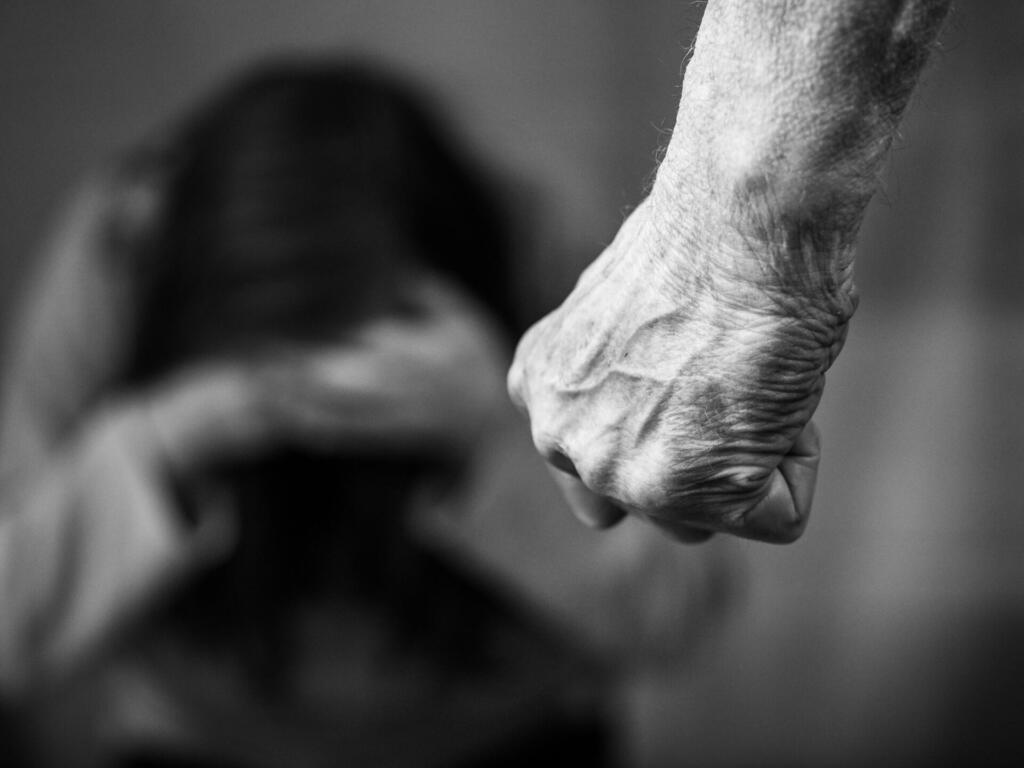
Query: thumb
(781, 516)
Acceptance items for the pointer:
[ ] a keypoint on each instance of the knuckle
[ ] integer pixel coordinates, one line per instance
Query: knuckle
(652, 478)
(515, 383)
(713, 497)
(744, 482)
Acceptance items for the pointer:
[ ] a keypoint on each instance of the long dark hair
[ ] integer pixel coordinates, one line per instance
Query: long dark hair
(295, 196)
(294, 203)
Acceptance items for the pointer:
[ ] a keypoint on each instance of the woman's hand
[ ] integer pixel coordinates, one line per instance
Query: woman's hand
(432, 377)
(429, 378)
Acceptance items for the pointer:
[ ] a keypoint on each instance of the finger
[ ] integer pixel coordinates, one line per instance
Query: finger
(683, 532)
(341, 400)
(342, 420)
(807, 444)
(338, 386)
(341, 370)
(781, 516)
(432, 296)
(591, 509)
(514, 384)
(207, 414)
(438, 309)
(799, 468)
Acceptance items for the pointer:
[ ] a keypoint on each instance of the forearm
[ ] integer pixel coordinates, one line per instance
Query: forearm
(679, 378)
(787, 112)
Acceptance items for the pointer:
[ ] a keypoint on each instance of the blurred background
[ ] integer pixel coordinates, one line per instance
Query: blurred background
(893, 632)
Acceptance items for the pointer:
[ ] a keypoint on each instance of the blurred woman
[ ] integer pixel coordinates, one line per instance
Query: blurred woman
(250, 515)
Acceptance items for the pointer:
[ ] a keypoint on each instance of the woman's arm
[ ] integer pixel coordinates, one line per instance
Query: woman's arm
(678, 380)
(87, 533)
(89, 539)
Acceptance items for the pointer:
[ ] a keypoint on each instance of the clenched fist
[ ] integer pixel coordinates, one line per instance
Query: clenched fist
(677, 382)
(680, 391)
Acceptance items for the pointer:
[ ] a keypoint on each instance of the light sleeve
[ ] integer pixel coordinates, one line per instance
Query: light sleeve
(88, 532)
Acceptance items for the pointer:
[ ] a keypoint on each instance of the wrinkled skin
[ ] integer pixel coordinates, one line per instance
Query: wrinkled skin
(678, 380)
(688, 393)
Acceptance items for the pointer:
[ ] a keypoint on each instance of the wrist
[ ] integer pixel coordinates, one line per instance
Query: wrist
(747, 258)
(786, 115)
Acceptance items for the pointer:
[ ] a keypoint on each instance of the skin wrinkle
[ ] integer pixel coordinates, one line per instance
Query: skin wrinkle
(651, 417)
(803, 268)
(745, 431)
(692, 354)
(843, 42)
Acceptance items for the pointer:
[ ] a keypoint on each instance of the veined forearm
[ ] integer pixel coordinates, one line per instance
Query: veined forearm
(788, 109)
(679, 378)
